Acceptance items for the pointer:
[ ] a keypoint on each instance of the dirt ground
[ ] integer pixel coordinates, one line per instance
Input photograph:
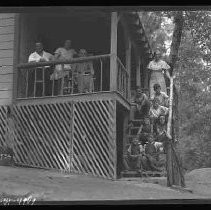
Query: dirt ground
(45, 185)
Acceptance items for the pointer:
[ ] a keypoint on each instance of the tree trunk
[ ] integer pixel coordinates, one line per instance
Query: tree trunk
(176, 39)
(174, 168)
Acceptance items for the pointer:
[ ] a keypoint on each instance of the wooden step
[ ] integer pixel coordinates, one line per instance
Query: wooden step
(134, 127)
(136, 120)
(131, 135)
(142, 174)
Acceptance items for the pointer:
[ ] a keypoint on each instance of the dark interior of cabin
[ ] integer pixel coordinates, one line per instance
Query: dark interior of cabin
(119, 138)
(91, 33)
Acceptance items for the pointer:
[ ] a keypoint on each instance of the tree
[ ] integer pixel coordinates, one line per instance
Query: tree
(175, 174)
(193, 78)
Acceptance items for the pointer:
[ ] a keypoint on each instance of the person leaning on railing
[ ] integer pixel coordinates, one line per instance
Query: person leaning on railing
(39, 56)
(65, 53)
(85, 72)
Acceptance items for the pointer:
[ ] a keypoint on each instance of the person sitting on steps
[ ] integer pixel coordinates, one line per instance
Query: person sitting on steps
(133, 158)
(155, 111)
(161, 96)
(161, 128)
(152, 151)
(144, 130)
(142, 104)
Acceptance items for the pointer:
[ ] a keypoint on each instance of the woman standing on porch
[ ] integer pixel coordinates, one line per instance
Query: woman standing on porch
(85, 72)
(158, 68)
(65, 53)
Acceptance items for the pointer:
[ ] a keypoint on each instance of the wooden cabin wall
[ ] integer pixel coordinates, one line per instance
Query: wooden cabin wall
(7, 33)
(135, 64)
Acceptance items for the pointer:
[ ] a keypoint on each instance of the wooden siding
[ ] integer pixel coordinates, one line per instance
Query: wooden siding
(7, 28)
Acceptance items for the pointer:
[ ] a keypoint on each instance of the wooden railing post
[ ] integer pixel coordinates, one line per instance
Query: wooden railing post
(128, 63)
(113, 50)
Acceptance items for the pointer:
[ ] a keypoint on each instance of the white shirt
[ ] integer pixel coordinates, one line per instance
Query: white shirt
(153, 65)
(159, 146)
(66, 55)
(36, 57)
(157, 112)
(163, 98)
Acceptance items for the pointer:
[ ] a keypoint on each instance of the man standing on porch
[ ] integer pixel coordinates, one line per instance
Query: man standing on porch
(65, 53)
(39, 56)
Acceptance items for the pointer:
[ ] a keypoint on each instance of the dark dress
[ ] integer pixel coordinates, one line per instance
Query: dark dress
(146, 130)
(144, 111)
(153, 157)
(131, 162)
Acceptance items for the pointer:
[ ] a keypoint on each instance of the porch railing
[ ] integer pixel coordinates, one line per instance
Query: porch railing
(122, 79)
(35, 80)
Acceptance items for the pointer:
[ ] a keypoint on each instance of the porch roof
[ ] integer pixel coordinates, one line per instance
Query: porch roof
(137, 31)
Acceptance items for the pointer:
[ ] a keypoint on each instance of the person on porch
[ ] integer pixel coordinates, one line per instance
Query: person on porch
(85, 73)
(157, 68)
(65, 53)
(133, 158)
(161, 96)
(142, 104)
(39, 56)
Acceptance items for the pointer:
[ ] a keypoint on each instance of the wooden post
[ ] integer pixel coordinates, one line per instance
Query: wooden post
(146, 74)
(113, 51)
(115, 140)
(128, 63)
(16, 56)
(125, 130)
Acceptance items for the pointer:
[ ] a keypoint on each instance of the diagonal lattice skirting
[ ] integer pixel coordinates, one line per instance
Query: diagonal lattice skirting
(74, 137)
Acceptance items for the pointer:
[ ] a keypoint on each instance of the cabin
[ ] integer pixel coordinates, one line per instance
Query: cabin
(72, 131)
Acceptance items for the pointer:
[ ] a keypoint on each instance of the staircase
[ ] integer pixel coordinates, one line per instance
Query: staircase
(133, 127)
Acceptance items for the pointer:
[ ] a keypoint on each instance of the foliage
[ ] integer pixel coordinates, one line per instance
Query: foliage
(193, 71)
(157, 28)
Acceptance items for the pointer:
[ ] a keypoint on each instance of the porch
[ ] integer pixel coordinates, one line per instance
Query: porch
(100, 81)
(71, 130)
